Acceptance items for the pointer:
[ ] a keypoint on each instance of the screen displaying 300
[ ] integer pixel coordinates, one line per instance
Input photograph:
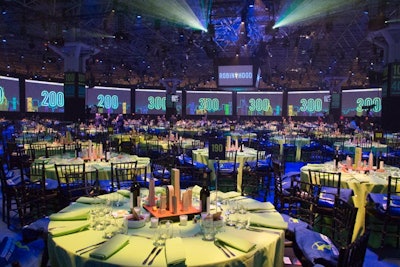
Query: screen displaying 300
(259, 103)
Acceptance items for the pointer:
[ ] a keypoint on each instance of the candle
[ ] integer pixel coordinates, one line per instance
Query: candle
(153, 222)
(183, 219)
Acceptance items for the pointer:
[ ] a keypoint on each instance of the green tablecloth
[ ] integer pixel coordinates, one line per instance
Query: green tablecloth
(248, 154)
(268, 250)
(104, 168)
(298, 142)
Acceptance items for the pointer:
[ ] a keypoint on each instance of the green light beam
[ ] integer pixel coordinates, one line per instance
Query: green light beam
(301, 11)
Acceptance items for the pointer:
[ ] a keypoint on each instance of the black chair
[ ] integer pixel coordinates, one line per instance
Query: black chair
(161, 168)
(282, 186)
(75, 181)
(353, 254)
(303, 199)
(312, 247)
(122, 174)
(256, 176)
(330, 189)
(226, 172)
(383, 213)
(54, 150)
(47, 188)
(39, 148)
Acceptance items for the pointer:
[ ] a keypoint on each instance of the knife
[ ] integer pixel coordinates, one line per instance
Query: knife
(148, 256)
(222, 249)
(227, 249)
(158, 252)
(97, 244)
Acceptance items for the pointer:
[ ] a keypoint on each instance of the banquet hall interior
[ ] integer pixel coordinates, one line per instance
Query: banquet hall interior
(291, 106)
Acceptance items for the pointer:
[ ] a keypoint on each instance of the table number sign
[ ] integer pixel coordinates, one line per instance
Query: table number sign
(216, 149)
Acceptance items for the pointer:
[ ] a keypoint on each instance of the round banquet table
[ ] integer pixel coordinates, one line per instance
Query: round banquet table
(362, 184)
(103, 167)
(268, 249)
(376, 147)
(164, 145)
(248, 154)
(298, 142)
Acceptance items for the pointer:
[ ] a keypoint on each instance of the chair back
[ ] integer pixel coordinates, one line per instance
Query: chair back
(393, 196)
(54, 150)
(326, 179)
(74, 181)
(344, 218)
(303, 200)
(354, 254)
(122, 174)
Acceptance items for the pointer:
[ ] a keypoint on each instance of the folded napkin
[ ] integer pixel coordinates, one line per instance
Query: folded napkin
(90, 200)
(77, 214)
(234, 241)
(224, 195)
(174, 251)
(111, 247)
(196, 190)
(252, 204)
(269, 220)
(68, 228)
(124, 192)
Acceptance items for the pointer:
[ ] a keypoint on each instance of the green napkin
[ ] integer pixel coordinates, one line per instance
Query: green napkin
(124, 192)
(196, 190)
(224, 195)
(90, 200)
(174, 251)
(234, 241)
(70, 215)
(269, 220)
(111, 247)
(252, 204)
(69, 228)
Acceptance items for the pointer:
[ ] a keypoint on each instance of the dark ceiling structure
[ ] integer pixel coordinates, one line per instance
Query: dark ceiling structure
(135, 47)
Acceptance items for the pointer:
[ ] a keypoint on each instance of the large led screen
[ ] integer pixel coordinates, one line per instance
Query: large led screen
(9, 94)
(308, 103)
(208, 102)
(153, 101)
(358, 102)
(259, 103)
(44, 96)
(235, 75)
(109, 99)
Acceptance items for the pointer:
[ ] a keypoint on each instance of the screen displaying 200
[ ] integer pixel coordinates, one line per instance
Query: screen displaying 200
(44, 96)
(9, 94)
(109, 100)
(208, 102)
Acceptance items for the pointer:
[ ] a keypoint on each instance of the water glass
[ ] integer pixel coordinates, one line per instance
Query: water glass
(208, 228)
(163, 232)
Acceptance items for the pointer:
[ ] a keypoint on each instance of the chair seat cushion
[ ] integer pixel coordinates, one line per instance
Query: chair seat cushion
(379, 202)
(315, 246)
(226, 166)
(327, 196)
(12, 251)
(161, 174)
(294, 223)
